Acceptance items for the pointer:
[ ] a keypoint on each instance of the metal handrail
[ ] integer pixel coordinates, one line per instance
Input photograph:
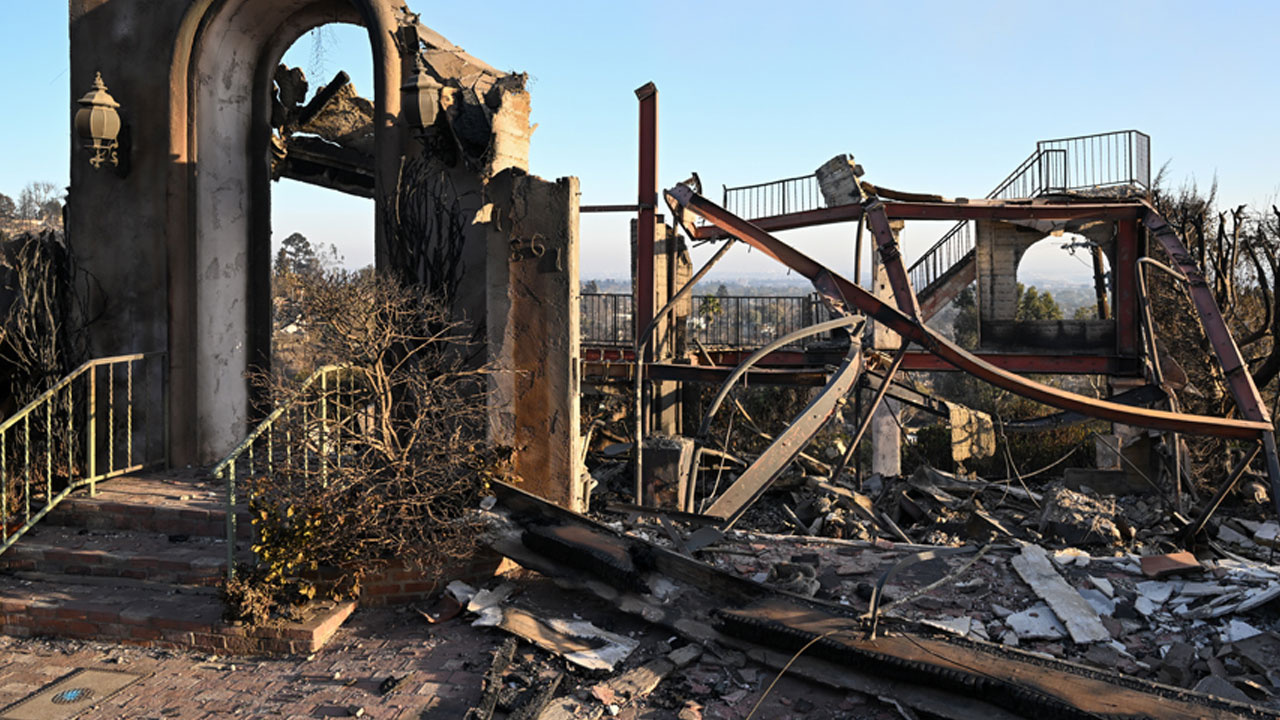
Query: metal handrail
(54, 413)
(776, 197)
(716, 321)
(1082, 163)
(226, 469)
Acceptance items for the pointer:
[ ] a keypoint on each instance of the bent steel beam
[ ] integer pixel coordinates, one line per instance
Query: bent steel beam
(841, 291)
(1239, 380)
(766, 468)
(746, 365)
(954, 210)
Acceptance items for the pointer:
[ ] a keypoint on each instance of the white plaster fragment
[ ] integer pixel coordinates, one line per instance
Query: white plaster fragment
(1100, 603)
(1258, 599)
(1080, 619)
(1156, 591)
(1036, 623)
(1104, 585)
(1238, 630)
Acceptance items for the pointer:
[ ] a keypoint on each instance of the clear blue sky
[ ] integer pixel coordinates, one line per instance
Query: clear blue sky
(932, 96)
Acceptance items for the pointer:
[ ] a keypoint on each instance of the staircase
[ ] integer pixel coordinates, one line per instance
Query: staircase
(1107, 163)
(140, 564)
(1116, 162)
(98, 541)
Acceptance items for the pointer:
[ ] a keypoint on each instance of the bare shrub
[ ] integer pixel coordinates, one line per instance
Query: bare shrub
(381, 460)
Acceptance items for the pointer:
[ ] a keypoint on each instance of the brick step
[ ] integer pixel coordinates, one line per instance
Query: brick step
(175, 559)
(143, 614)
(155, 504)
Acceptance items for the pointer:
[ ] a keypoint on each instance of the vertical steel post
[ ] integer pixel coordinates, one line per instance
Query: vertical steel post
(646, 230)
(647, 199)
(1127, 310)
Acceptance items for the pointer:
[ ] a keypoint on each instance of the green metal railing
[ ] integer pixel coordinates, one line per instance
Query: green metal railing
(305, 435)
(107, 418)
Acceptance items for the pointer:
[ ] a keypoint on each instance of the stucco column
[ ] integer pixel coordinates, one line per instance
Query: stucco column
(886, 438)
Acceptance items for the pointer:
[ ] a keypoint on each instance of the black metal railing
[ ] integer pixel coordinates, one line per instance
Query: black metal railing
(1078, 164)
(719, 321)
(778, 197)
(738, 321)
(1105, 160)
(607, 319)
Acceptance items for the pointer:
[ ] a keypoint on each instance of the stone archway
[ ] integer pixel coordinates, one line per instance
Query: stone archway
(219, 214)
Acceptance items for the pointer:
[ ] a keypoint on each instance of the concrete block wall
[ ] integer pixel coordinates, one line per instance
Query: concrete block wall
(1000, 246)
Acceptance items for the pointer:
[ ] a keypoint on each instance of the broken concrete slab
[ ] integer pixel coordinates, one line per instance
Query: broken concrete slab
(1219, 687)
(1036, 623)
(1072, 609)
(1101, 604)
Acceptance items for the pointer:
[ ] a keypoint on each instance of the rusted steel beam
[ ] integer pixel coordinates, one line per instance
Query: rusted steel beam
(1239, 380)
(807, 377)
(1003, 210)
(766, 468)
(970, 210)
(891, 258)
(1237, 374)
(1042, 364)
(1127, 310)
(647, 199)
(841, 291)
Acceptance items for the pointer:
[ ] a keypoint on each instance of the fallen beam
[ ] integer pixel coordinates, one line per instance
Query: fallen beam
(950, 677)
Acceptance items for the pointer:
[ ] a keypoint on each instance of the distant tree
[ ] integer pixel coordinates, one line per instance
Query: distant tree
(8, 208)
(34, 198)
(1034, 305)
(965, 325)
(722, 291)
(296, 256)
(591, 287)
(51, 212)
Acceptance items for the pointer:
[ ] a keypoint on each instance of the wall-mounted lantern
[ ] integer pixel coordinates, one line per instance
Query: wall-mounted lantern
(420, 98)
(98, 124)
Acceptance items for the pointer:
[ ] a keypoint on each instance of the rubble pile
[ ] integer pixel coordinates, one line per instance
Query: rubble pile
(1064, 569)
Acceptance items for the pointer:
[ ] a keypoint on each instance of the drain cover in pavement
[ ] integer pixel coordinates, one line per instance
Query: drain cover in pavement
(70, 696)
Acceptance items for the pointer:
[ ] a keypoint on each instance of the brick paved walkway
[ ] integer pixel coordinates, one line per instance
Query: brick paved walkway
(444, 664)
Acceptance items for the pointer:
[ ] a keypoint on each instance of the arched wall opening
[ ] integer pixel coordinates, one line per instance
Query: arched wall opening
(322, 218)
(1065, 267)
(220, 214)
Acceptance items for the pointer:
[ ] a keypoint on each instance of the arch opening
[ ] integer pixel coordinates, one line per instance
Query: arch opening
(222, 126)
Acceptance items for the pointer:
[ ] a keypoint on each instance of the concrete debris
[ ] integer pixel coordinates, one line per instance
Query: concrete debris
(1037, 622)
(1237, 630)
(577, 641)
(1074, 611)
(1214, 685)
(1077, 518)
(973, 433)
